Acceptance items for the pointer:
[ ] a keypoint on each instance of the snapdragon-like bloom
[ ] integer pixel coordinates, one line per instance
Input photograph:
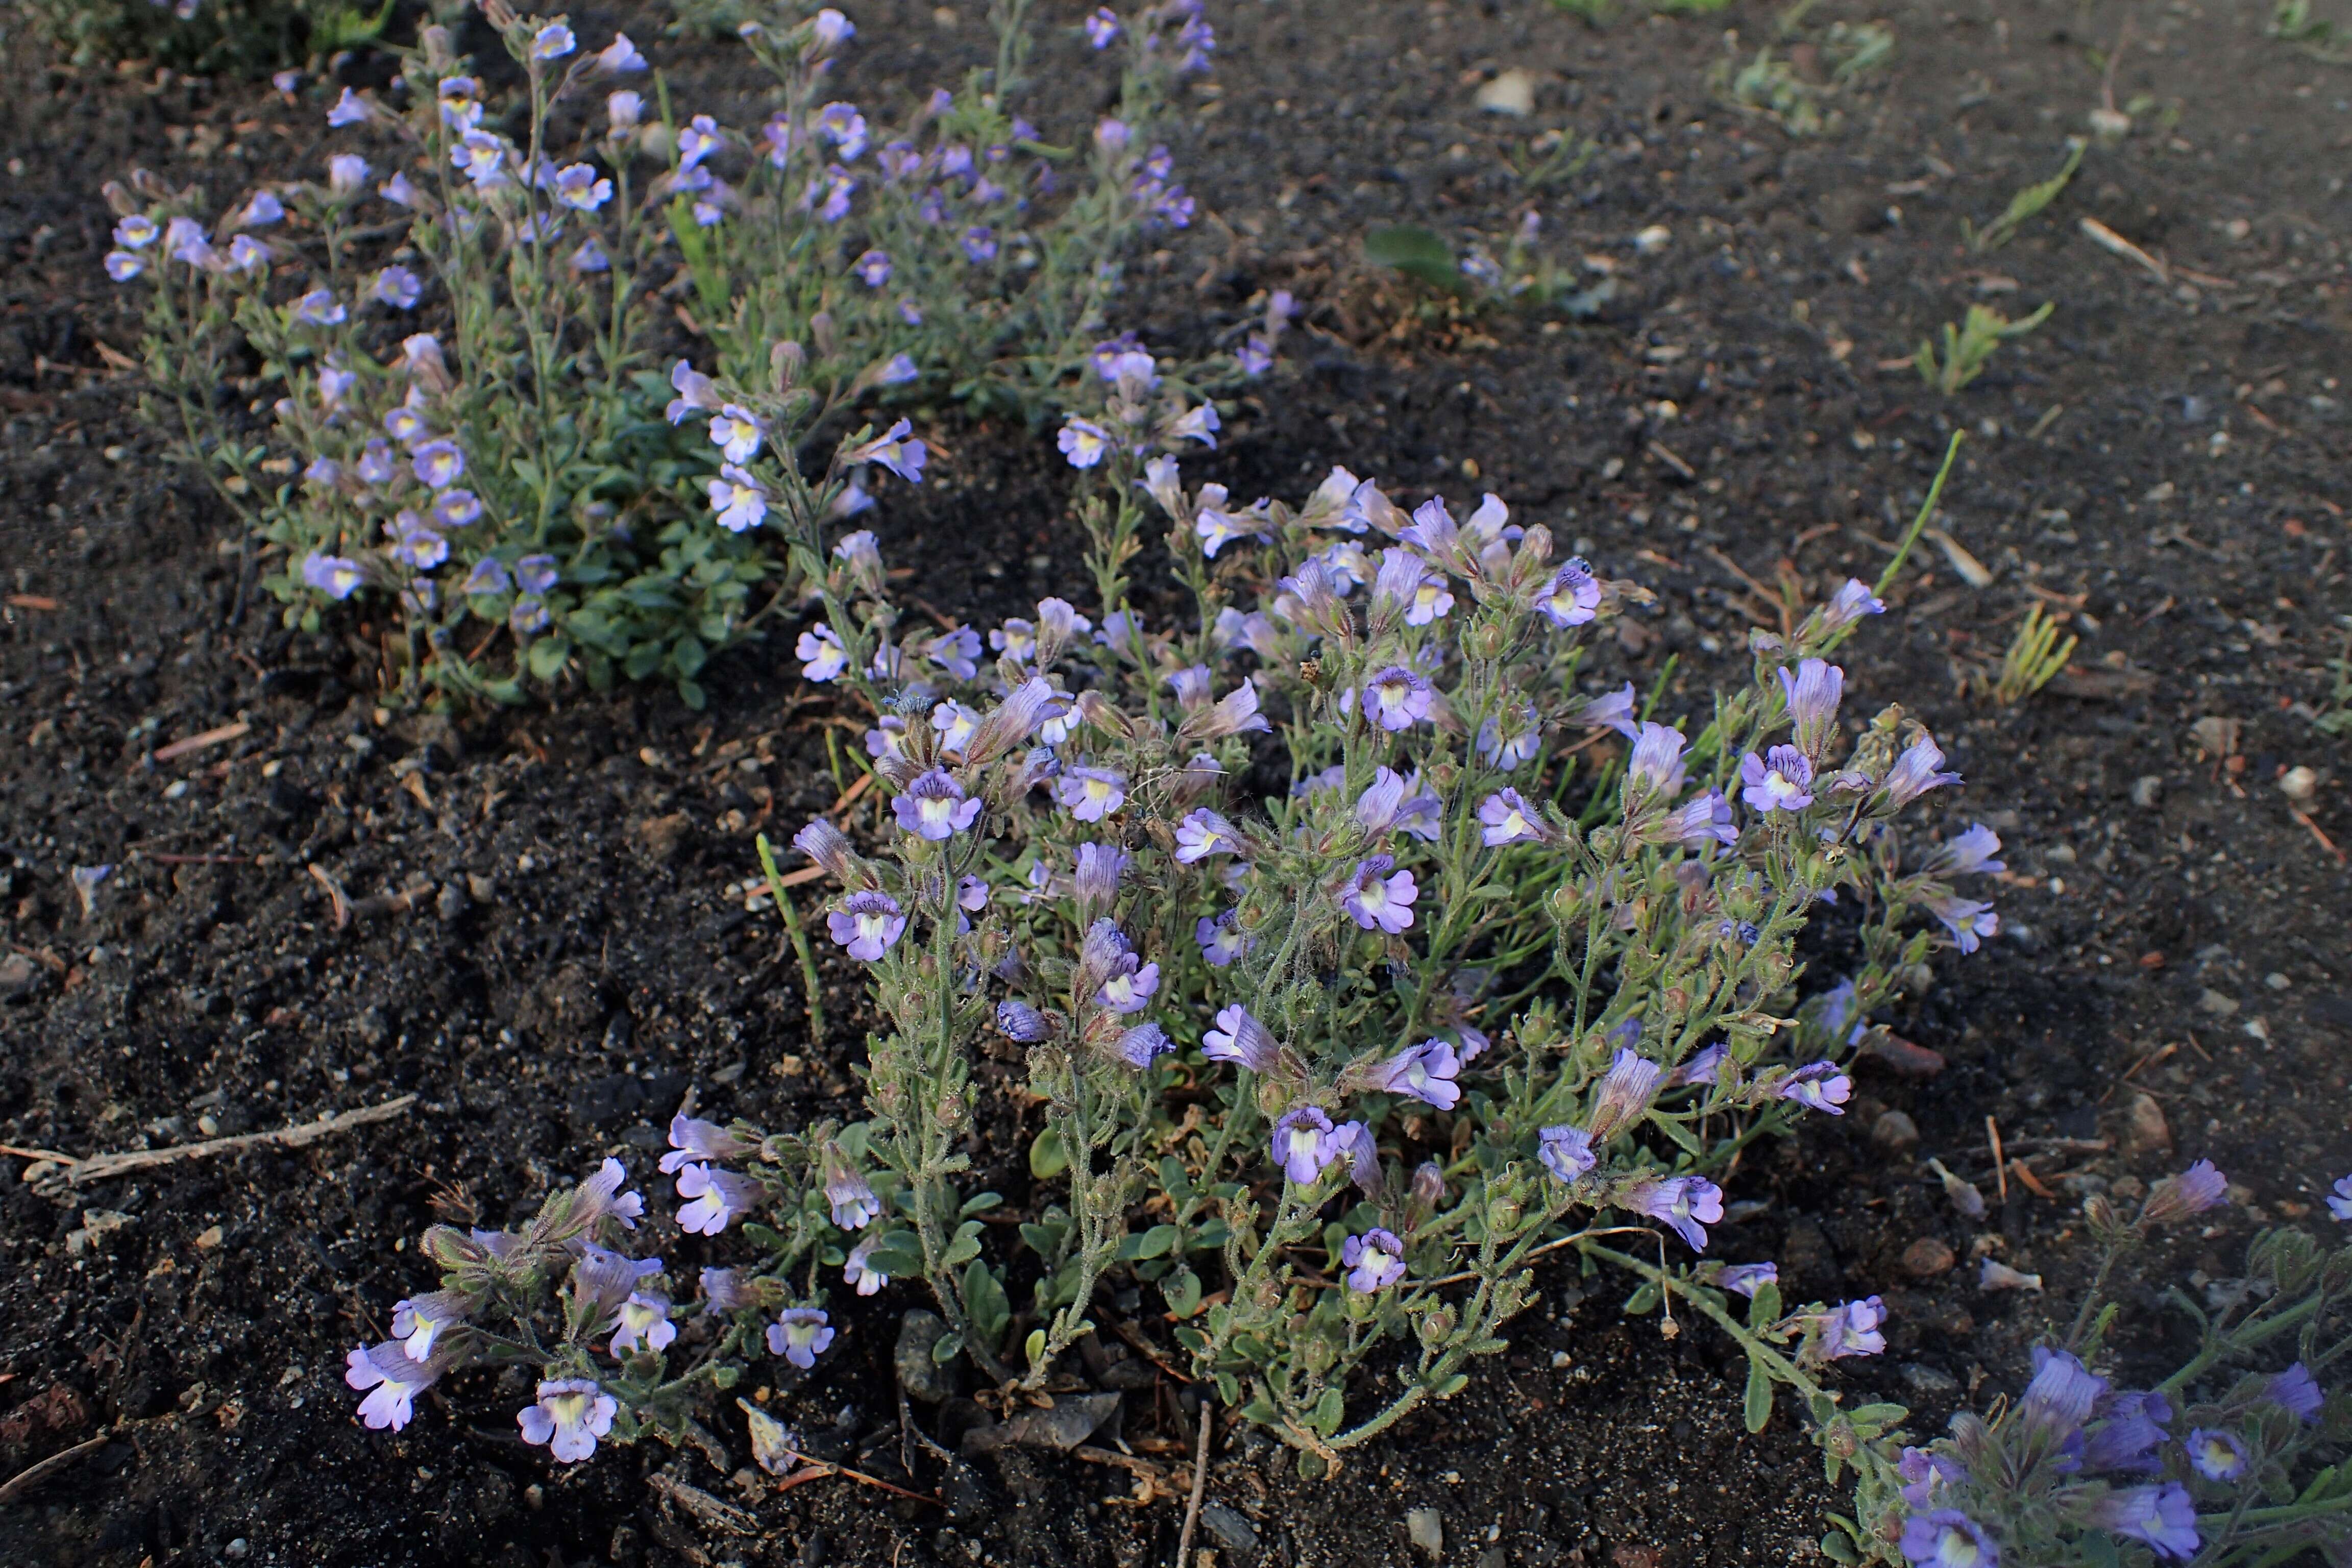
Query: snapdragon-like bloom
(1853, 602)
(935, 807)
(1129, 983)
(1820, 1087)
(481, 158)
(1812, 692)
(391, 1381)
(736, 433)
(1566, 1151)
(1374, 1260)
(2193, 1190)
(859, 1271)
(2295, 1391)
(320, 307)
(894, 451)
(1021, 1022)
(1091, 793)
(849, 1196)
(1220, 937)
(1303, 1143)
(800, 1335)
(642, 1320)
(1656, 762)
(2164, 1517)
(1083, 442)
(1781, 781)
(691, 1140)
(1966, 854)
(553, 42)
(822, 657)
(1571, 598)
(396, 286)
(717, 1198)
(1510, 739)
(1425, 1072)
(136, 232)
(439, 463)
(980, 244)
(2216, 1454)
(1376, 898)
(1947, 1538)
(1688, 1204)
(571, 1413)
(867, 924)
(1103, 27)
(829, 30)
(579, 187)
(1969, 920)
(1203, 833)
(2128, 1433)
(700, 139)
(336, 576)
(1846, 1330)
(1631, 1083)
(1703, 820)
(1396, 698)
(741, 500)
(123, 266)
(490, 575)
(1749, 1278)
(247, 254)
(2063, 1391)
(2339, 1202)
(1508, 818)
(418, 1320)
(1239, 1038)
(1916, 772)
(457, 508)
(1141, 1046)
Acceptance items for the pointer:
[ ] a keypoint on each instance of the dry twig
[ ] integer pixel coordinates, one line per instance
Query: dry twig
(106, 1167)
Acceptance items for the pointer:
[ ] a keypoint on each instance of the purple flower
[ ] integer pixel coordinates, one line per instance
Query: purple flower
(2216, 1454)
(935, 807)
(482, 157)
(800, 1335)
(1812, 692)
(348, 111)
(1566, 1151)
(1375, 1260)
(571, 1413)
(690, 1141)
(1914, 773)
(1102, 28)
(1199, 424)
(2294, 1390)
(822, 657)
(1656, 762)
(1510, 739)
(1374, 898)
(1255, 357)
(2164, 1517)
(1509, 820)
(619, 57)
(1928, 1473)
(1704, 1067)
(1572, 598)
(136, 232)
(1397, 698)
(320, 307)
(1749, 1278)
(1083, 442)
(1091, 793)
(489, 576)
(736, 433)
(741, 500)
(2339, 1205)
(873, 268)
(336, 576)
(894, 451)
(393, 1382)
(849, 1195)
(1203, 833)
(394, 286)
(1686, 1203)
(2193, 1190)
(553, 42)
(641, 1320)
(723, 1292)
(1625, 1095)
(439, 463)
(1780, 783)
(2128, 1432)
(1969, 920)
(2063, 1391)
(1303, 1144)
(1128, 982)
(418, 1320)
(1703, 820)
(1966, 854)
(719, 1197)
(979, 243)
(123, 266)
(1141, 1047)
(867, 924)
(1820, 1087)
(1947, 1538)
(1853, 602)
(1221, 938)
(1239, 1038)
(830, 30)
(1424, 1072)
(841, 124)
(859, 1271)
(1021, 1022)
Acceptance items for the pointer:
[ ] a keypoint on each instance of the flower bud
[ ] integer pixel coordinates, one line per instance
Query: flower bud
(439, 53)
(786, 361)
(821, 327)
(1428, 1184)
(1437, 1327)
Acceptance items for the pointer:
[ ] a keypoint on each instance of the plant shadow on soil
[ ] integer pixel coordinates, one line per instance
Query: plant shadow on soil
(574, 962)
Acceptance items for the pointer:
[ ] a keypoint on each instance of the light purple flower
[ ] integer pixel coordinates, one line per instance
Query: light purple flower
(642, 1320)
(1849, 1329)
(1222, 942)
(320, 307)
(394, 286)
(1425, 1072)
(346, 173)
(830, 30)
(393, 1382)
(867, 924)
(336, 576)
(1947, 1538)
(1572, 598)
(1779, 781)
(490, 575)
(2128, 1432)
(2296, 1390)
(934, 806)
(579, 187)
(136, 232)
(841, 124)
(1239, 1038)
(717, 1198)
(1966, 854)
(691, 1140)
(1969, 920)
(348, 111)
(737, 432)
(859, 1271)
(1091, 793)
(2216, 1453)
(894, 451)
(2164, 1517)
(850, 1196)
(1509, 820)
(741, 500)
(1203, 833)
(553, 42)
(1102, 28)
(1688, 1204)
(1374, 1260)
(1656, 762)
(1141, 1046)
(1375, 897)
(1021, 1022)
(723, 1292)
(822, 657)
(1566, 1151)
(1083, 442)
(1915, 771)
(418, 1320)
(1303, 1144)
(1747, 1279)
(1625, 1092)
(1255, 357)
(1811, 693)
(2063, 1391)
(1396, 698)
(457, 508)
(1703, 820)
(619, 57)
(2193, 1190)
(439, 463)
(979, 243)
(1510, 739)
(1853, 602)
(482, 158)
(570, 1414)
(1128, 984)
(123, 266)
(2339, 1204)
(1199, 424)
(1820, 1087)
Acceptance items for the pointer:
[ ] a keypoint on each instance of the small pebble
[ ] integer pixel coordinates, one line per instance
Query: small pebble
(1893, 1129)
(2145, 1132)
(1928, 1257)
(1929, 1380)
(1230, 1530)
(1427, 1526)
(2299, 784)
(2147, 792)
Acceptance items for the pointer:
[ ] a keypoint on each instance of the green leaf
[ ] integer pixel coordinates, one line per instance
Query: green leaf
(1643, 1299)
(983, 1299)
(1329, 1411)
(979, 1203)
(897, 1257)
(1765, 1309)
(1159, 1241)
(1758, 1407)
(946, 1348)
(963, 1249)
(1452, 1386)
(1416, 252)
(690, 692)
(1183, 1291)
(1033, 1349)
(1838, 1549)
(768, 1240)
(1047, 1159)
(1043, 1240)
(548, 657)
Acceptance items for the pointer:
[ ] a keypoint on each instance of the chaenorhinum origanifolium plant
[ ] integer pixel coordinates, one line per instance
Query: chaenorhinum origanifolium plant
(471, 423)
(2238, 1456)
(1361, 956)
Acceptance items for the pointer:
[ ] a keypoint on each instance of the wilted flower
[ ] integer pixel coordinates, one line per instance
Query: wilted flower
(1656, 762)
(2296, 1390)
(1141, 1046)
(1566, 1151)
(571, 1413)
(2193, 1190)
(1374, 1260)
(800, 1335)
(2128, 1432)
(1021, 1022)
(1625, 1094)
(2164, 1517)
(867, 924)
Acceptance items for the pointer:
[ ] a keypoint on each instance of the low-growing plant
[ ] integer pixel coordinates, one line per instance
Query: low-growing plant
(1771, 86)
(2034, 659)
(2025, 204)
(523, 490)
(199, 36)
(1969, 347)
(1358, 956)
(1477, 278)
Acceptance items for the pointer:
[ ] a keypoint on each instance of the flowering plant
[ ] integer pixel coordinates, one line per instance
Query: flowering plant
(2233, 1459)
(199, 35)
(520, 475)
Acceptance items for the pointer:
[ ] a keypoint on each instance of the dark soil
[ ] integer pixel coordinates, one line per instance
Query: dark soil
(2162, 466)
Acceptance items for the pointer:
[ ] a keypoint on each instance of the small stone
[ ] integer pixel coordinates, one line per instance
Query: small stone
(1928, 1257)
(236, 1550)
(2299, 784)
(453, 903)
(1230, 1530)
(1893, 1129)
(372, 1027)
(1427, 1526)
(1929, 1380)
(661, 836)
(2276, 980)
(1653, 239)
(923, 1378)
(2218, 1004)
(481, 889)
(2145, 1132)
(1511, 92)
(2147, 792)
(19, 976)
(209, 1238)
